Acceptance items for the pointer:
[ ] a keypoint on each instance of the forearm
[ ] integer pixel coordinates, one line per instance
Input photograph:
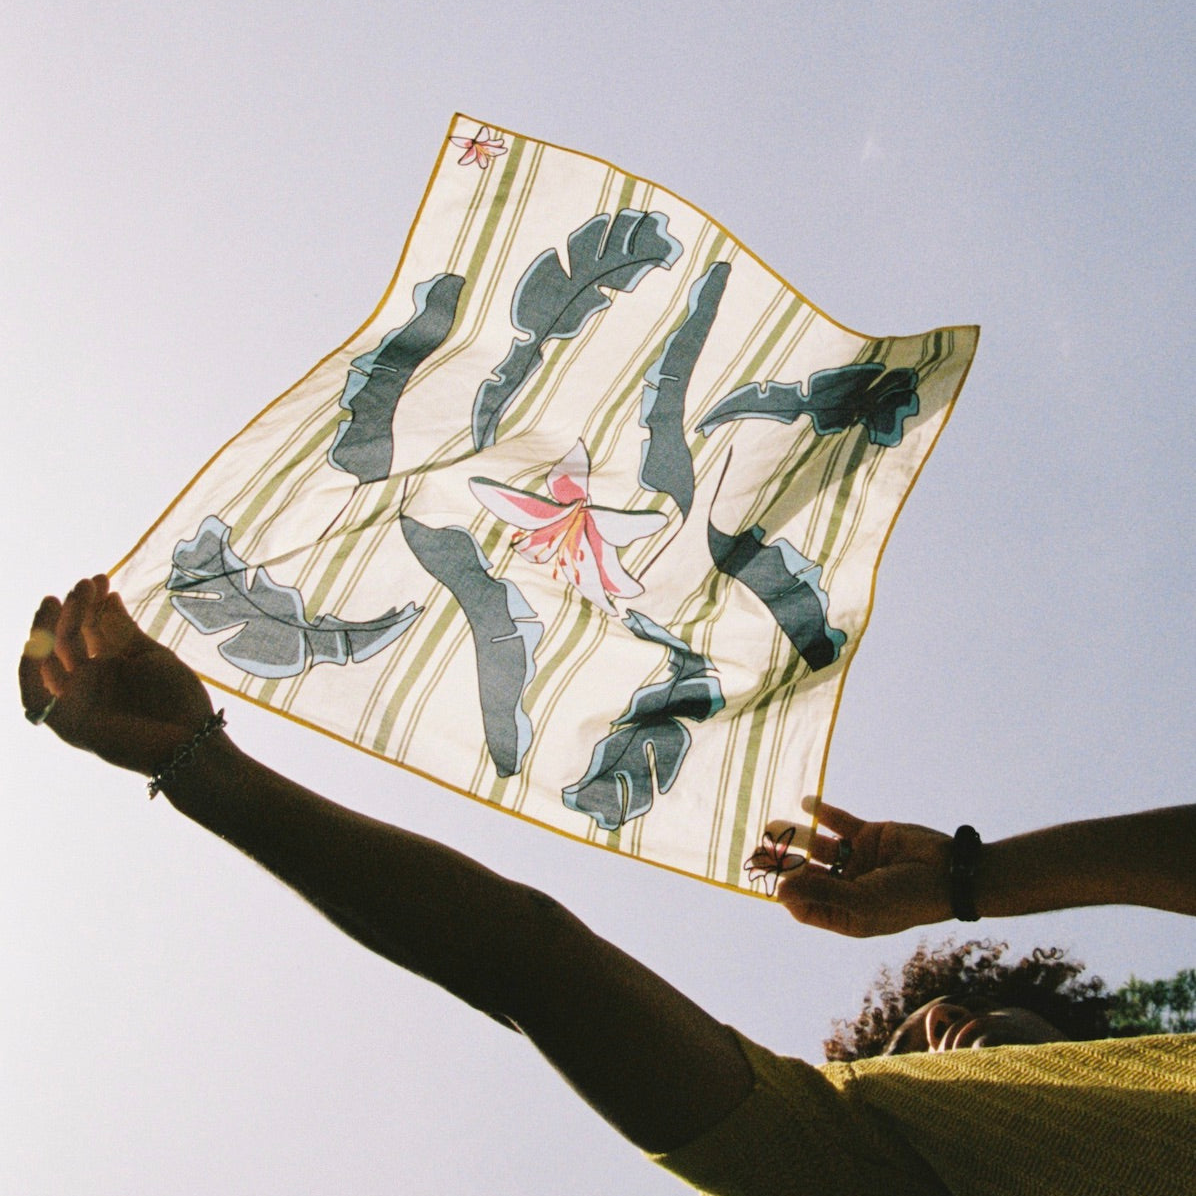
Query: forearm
(897, 874)
(653, 1063)
(1135, 859)
(645, 1056)
(414, 901)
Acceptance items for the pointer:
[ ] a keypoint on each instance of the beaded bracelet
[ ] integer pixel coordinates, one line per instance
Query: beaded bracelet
(184, 754)
(965, 856)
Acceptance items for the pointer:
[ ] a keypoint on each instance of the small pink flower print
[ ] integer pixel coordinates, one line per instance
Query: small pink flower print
(772, 858)
(480, 148)
(579, 538)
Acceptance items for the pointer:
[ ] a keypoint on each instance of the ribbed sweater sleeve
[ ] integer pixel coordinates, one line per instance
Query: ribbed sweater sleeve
(1061, 1119)
(1090, 1118)
(798, 1133)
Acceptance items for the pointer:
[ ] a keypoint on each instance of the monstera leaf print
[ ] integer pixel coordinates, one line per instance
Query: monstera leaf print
(667, 464)
(364, 443)
(505, 633)
(649, 737)
(838, 399)
(787, 583)
(605, 254)
(209, 586)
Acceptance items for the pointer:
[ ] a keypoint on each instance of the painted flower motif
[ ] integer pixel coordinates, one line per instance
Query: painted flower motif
(772, 858)
(579, 538)
(479, 148)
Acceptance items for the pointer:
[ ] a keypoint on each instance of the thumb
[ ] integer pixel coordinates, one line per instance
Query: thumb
(814, 886)
(819, 899)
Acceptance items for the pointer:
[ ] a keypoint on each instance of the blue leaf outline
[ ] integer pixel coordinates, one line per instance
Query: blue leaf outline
(788, 583)
(838, 399)
(605, 254)
(208, 586)
(648, 739)
(667, 465)
(505, 632)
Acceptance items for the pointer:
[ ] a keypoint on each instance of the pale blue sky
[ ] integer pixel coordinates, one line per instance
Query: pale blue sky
(198, 204)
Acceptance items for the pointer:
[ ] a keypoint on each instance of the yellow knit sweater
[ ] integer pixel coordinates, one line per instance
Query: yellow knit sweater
(1114, 1118)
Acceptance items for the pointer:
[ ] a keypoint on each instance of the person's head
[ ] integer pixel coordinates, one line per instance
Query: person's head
(965, 996)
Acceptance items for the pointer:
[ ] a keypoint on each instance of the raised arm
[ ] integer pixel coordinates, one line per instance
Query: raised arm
(897, 874)
(647, 1058)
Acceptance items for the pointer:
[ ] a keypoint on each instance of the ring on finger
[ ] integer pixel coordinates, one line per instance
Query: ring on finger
(841, 857)
(37, 717)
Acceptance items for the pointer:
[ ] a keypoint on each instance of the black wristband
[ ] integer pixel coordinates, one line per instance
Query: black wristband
(965, 856)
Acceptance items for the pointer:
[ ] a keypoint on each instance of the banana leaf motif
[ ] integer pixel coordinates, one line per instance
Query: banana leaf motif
(838, 399)
(210, 588)
(604, 254)
(788, 583)
(667, 464)
(505, 633)
(364, 443)
(648, 739)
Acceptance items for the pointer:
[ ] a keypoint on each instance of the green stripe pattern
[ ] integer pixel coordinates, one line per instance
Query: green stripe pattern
(833, 498)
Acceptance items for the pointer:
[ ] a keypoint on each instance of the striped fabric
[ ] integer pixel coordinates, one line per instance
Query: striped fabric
(583, 522)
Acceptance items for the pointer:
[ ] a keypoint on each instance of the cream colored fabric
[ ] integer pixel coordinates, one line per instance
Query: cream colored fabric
(481, 539)
(1065, 1119)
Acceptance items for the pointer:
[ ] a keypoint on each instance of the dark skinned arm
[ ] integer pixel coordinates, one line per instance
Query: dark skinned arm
(649, 1060)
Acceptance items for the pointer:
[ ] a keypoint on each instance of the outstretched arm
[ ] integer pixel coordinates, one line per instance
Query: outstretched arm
(897, 873)
(656, 1066)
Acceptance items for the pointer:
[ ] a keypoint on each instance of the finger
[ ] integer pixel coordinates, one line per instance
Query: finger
(807, 906)
(839, 821)
(119, 628)
(826, 850)
(113, 629)
(825, 917)
(54, 677)
(820, 900)
(41, 631)
(90, 625)
(68, 637)
(38, 647)
(814, 886)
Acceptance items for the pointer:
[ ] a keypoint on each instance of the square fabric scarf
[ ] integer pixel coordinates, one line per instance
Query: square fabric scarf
(583, 522)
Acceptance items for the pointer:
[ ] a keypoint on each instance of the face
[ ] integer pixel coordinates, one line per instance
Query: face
(952, 1024)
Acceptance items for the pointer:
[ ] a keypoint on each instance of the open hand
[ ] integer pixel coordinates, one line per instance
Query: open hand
(115, 691)
(893, 875)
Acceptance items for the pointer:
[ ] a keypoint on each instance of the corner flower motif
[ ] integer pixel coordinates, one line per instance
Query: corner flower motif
(771, 859)
(479, 148)
(579, 538)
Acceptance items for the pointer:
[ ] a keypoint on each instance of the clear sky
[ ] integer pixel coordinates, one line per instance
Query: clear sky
(199, 202)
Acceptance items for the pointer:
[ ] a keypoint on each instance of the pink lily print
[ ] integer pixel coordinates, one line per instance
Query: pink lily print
(579, 538)
(479, 148)
(772, 858)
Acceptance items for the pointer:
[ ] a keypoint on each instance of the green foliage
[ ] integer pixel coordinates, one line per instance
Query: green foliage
(840, 398)
(1155, 1006)
(667, 465)
(505, 633)
(648, 738)
(605, 254)
(788, 583)
(210, 587)
(364, 443)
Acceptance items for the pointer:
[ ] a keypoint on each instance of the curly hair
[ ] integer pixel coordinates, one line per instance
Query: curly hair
(1046, 982)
